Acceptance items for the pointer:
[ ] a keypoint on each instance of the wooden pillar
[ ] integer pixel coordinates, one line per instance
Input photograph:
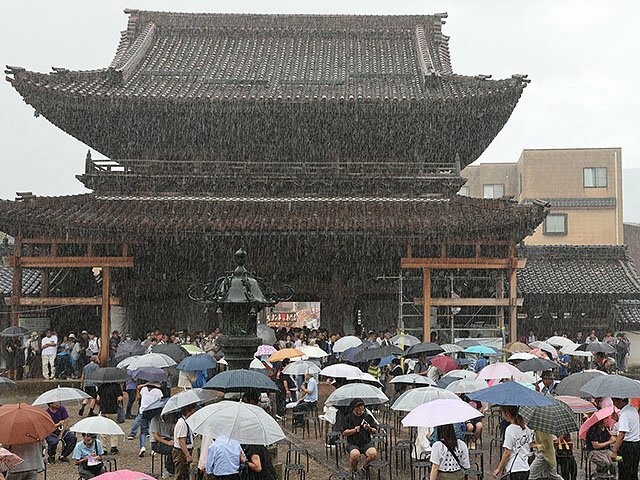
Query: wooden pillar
(16, 287)
(513, 305)
(500, 295)
(106, 316)
(426, 294)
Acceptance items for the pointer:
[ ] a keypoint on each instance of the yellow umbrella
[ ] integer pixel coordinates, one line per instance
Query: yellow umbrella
(285, 353)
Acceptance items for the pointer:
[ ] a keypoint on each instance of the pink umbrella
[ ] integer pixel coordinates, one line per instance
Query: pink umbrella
(267, 350)
(595, 418)
(444, 364)
(500, 371)
(124, 475)
(440, 412)
(538, 353)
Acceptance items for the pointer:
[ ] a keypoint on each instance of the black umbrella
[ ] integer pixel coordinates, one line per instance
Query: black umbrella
(129, 348)
(615, 386)
(108, 375)
(376, 353)
(14, 332)
(241, 381)
(172, 350)
(537, 365)
(596, 347)
(573, 384)
(424, 348)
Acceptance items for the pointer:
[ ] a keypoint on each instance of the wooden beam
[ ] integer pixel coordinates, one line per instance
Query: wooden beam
(500, 295)
(513, 305)
(464, 263)
(71, 262)
(469, 302)
(16, 286)
(58, 301)
(78, 241)
(105, 317)
(426, 314)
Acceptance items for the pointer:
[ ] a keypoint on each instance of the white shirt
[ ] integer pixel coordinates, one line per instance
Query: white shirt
(148, 396)
(629, 423)
(49, 350)
(517, 440)
(94, 345)
(446, 462)
(182, 430)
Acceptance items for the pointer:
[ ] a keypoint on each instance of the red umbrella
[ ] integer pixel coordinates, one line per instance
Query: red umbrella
(444, 364)
(23, 424)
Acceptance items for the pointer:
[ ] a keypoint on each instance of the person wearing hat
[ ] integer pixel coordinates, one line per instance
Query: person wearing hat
(358, 428)
(548, 385)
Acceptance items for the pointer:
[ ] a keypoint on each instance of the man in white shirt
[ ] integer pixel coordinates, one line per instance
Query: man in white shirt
(183, 444)
(628, 441)
(149, 394)
(49, 349)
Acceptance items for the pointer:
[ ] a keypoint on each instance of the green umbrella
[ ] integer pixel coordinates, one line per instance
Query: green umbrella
(554, 419)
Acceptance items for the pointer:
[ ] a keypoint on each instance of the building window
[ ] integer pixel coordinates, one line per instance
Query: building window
(493, 191)
(555, 224)
(464, 191)
(595, 177)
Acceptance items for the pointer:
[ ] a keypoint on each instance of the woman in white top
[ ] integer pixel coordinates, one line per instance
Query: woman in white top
(449, 456)
(517, 446)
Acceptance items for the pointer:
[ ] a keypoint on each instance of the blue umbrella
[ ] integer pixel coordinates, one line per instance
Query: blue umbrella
(352, 355)
(511, 393)
(386, 361)
(196, 363)
(444, 382)
(480, 350)
(158, 404)
(150, 374)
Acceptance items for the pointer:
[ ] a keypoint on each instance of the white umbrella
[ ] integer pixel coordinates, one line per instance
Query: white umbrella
(365, 377)
(158, 360)
(571, 350)
(413, 379)
(127, 361)
(451, 348)
(346, 343)
(256, 364)
(417, 396)
(558, 341)
(340, 370)
(521, 356)
(301, 368)
(405, 340)
(187, 397)
(440, 412)
(239, 421)
(466, 386)
(313, 351)
(341, 397)
(98, 425)
(466, 374)
(60, 394)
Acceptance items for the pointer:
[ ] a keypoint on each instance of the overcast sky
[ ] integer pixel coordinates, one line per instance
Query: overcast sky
(581, 55)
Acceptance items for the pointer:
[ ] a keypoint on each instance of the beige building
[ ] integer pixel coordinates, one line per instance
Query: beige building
(582, 185)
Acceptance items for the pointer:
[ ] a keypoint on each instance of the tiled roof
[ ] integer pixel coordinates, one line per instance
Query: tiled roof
(31, 281)
(627, 311)
(578, 270)
(118, 216)
(605, 202)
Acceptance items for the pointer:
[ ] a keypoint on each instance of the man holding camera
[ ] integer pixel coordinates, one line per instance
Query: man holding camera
(358, 428)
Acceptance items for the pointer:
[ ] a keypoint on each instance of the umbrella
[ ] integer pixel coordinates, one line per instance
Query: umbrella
(466, 386)
(572, 350)
(577, 405)
(340, 370)
(511, 393)
(377, 353)
(187, 397)
(573, 384)
(499, 371)
(157, 405)
(265, 350)
(245, 423)
(313, 351)
(442, 411)
(364, 377)
(444, 382)
(150, 374)
(241, 381)
(191, 350)
(256, 364)
(197, 363)
(341, 397)
(545, 347)
(480, 350)
(353, 354)
(404, 340)
(98, 425)
(60, 394)
(558, 341)
(537, 365)
(554, 419)
(521, 356)
(172, 350)
(444, 364)
(301, 368)
(154, 359)
(127, 361)
(468, 374)
(417, 396)
(515, 347)
(345, 343)
(451, 348)
(108, 375)
(266, 334)
(6, 384)
(596, 347)
(615, 386)
(424, 348)
(128, 348)
(124, 475)
(14, 332)
(595, 418)
(23, 424)
(285, 353)
(8, 460)
(413, 379)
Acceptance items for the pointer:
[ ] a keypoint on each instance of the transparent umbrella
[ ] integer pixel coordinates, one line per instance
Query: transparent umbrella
(342, 396)
(417, 396)
(60, 394)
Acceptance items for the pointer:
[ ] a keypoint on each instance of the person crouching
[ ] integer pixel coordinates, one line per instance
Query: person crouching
(359, 425)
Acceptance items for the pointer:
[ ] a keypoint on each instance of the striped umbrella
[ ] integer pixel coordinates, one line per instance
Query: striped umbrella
(554, 419)
(577, 405)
